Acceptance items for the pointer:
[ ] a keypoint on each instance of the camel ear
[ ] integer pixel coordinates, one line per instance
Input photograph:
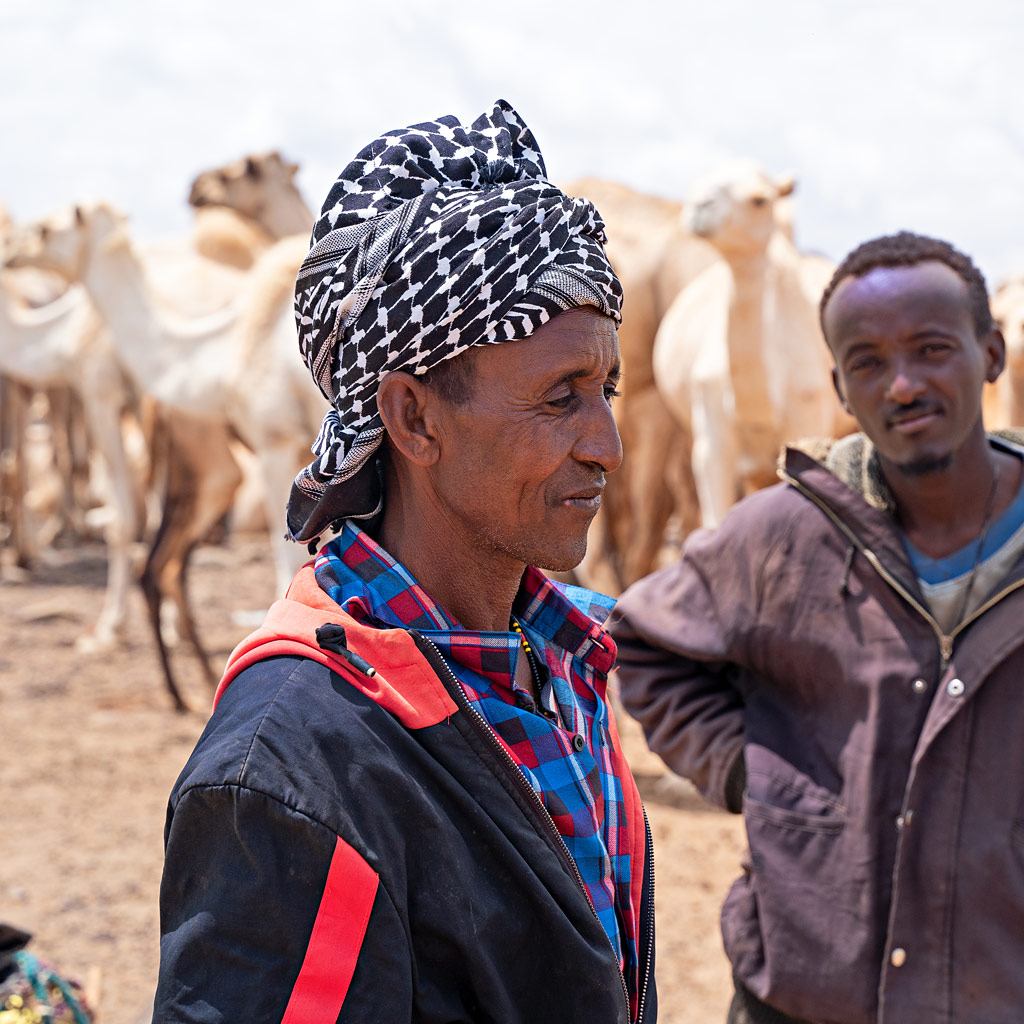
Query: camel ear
(785, 185)
(79, 216)
(292, 169)
(252, 169)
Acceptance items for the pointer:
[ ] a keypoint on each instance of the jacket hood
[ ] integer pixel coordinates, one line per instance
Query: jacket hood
(290, 628)
(854, 461)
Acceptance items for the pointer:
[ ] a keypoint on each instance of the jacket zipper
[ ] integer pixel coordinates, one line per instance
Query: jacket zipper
(945, 639)
(649, 936)
(484, 728)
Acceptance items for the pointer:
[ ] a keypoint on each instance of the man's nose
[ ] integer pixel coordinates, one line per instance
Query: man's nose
(905, 386)
(599, 441)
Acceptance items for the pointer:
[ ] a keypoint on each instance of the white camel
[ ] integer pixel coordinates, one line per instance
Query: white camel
(240, 367)
(64, 344)
(188, 276)
(654, 258)
(739, 356)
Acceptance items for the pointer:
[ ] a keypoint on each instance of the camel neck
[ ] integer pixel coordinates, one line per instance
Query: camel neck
(172, 361)
(745, 338)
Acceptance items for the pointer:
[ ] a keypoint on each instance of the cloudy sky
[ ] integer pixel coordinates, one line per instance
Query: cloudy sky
(894, 114)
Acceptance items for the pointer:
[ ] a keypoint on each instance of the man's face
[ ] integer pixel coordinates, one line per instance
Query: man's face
(908, 363)
(523, 460)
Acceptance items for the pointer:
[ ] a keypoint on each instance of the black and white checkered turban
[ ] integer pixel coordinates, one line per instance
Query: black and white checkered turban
(435, 238)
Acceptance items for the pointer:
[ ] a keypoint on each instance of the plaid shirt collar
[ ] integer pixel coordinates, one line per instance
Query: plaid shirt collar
(374, 588)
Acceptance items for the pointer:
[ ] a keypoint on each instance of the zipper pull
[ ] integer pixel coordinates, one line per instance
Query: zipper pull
(331, 637)
(945, 649)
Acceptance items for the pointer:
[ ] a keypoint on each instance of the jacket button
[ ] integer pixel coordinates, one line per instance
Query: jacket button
(898, 957)
(955, 688)
(578, 742)
(919, 686)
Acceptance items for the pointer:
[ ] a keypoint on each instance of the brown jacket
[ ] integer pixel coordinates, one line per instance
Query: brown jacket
(884, 797)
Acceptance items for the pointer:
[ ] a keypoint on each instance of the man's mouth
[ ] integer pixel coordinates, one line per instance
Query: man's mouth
(912, 420)
(588, 499)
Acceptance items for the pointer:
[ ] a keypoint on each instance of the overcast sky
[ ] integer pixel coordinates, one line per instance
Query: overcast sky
(891, 114)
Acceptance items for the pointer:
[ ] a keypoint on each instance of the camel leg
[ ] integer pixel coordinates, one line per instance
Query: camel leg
(102, 397)
(161, 561)
(67, 459)
(714, 453)
(277, 465)
(13, 424)
(652, 498)
(201, 479)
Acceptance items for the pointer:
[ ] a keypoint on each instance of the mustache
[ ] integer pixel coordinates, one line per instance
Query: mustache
(918, 407)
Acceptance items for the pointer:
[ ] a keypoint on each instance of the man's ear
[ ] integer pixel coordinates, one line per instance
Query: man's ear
(839, 390)
(994, 347)
(407, 408)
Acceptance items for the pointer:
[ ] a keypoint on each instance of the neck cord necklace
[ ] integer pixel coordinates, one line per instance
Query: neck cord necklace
(989, 509)
(529, 654)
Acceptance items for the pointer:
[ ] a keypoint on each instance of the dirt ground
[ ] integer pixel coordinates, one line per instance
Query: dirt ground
(89, 750)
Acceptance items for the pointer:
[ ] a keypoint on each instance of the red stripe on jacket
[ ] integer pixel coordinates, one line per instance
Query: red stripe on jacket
(330, 961)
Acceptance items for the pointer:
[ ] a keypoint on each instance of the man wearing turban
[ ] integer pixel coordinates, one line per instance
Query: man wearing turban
(410, 803)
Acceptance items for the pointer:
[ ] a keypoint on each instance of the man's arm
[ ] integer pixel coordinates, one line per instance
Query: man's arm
(266, 915)
(678, 638)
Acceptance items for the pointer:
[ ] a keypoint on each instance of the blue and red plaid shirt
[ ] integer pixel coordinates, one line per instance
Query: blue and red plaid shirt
(573, 654)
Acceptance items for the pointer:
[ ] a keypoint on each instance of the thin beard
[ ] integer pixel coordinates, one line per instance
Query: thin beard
(925, 465)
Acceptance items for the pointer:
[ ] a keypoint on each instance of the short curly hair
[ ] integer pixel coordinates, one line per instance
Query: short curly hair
(907, 249)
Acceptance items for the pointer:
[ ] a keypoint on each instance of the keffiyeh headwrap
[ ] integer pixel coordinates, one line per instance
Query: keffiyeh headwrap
(435, 238)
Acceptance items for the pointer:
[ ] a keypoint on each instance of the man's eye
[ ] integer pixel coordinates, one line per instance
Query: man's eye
(864, 364)
(610, 392)
(561, 401)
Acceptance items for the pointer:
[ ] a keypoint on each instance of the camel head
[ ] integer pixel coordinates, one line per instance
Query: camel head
(63, 242)
(260, 187)
(737, 208)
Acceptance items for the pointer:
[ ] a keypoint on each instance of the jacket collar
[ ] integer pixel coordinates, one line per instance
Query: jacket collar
(403, 681)
(845, 480)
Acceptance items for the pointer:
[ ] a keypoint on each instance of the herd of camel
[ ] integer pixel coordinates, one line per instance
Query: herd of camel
(723, 362)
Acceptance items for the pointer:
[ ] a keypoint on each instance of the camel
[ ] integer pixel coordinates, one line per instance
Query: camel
(242, 207)
(739, 357)
(64, 343)
(14, 402)
(1004, 400)
(239, 368)
(25, 290)
(654, 259)
(240, 210)
(191, 278)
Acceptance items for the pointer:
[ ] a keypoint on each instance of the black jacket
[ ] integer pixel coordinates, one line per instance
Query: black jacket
(347, 848)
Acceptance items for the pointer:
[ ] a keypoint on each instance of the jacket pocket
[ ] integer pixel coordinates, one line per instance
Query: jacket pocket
(792, 801)
(794, 924)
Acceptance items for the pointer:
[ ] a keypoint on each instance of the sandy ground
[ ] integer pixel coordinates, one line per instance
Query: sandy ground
(89, 749)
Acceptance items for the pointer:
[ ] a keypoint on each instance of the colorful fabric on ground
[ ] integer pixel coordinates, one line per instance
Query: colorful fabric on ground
(563, 748)
(435, 238)
(32, 992)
